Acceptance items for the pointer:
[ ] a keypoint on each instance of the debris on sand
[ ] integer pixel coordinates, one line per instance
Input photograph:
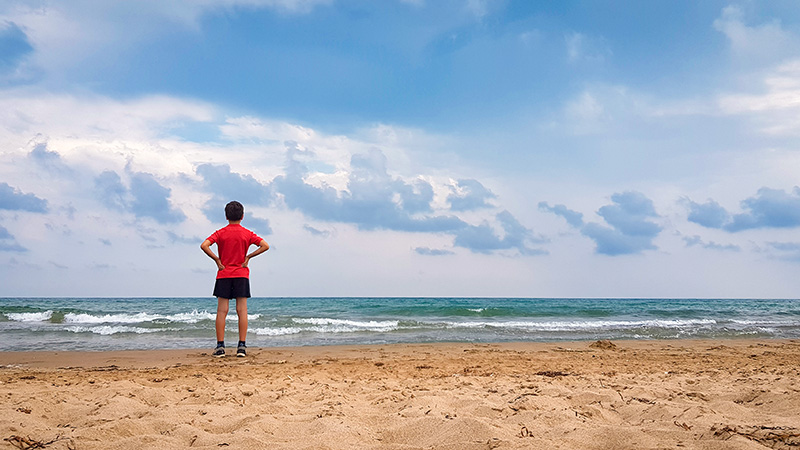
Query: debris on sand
(604, 344)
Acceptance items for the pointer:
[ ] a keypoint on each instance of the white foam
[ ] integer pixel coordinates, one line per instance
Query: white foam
(30, 317)
(107, 330)
(351, 324)
(192, 317)
(277, 331)
(583, 325)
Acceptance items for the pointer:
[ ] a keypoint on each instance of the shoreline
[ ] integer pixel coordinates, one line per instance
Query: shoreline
(162, 358)
(701, 394)
(47, 359)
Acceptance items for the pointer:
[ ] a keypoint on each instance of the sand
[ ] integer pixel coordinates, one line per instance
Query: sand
(722, 394)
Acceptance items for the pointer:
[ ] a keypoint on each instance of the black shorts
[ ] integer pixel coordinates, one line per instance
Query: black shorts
(232, 288)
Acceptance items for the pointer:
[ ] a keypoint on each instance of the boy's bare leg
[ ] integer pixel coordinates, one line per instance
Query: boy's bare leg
(222, 314)
(241, 312)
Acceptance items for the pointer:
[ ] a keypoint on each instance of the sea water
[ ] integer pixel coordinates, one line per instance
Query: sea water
(28, 324)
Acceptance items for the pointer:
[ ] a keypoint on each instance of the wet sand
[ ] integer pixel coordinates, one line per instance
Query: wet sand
(720, 394)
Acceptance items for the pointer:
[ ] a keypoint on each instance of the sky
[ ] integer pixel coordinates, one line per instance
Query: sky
(465, 148)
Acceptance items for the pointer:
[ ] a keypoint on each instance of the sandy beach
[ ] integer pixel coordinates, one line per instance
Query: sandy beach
(721, 394)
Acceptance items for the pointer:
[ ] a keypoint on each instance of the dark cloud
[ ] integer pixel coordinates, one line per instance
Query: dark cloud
(573, 218)
(14, 200)
(50, 160)
(257, 225)
(226, 186)
(769, 208)
(8, 243)
(612, 242)
(629, 214)
(483, 239)
(150, 199)
(468, 195)
(105, 242)
(692, 241)
(709, 214)
(110, 190)
(433, 251)
(14, 46)
(416, 197)
(630, 230)
(146, 197)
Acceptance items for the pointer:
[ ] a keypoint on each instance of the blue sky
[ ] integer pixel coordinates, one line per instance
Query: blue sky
(403, 147)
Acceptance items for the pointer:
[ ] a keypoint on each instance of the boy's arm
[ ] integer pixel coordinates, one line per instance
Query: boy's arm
(206, 247)
(262, 247)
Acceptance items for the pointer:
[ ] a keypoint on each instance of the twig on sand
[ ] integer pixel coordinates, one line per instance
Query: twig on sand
(26, 443)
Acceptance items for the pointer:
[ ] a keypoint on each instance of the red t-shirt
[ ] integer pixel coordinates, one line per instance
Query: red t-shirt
(232, 244)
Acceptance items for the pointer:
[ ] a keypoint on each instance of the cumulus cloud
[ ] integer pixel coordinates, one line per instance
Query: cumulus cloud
(373, 198)
(256, 224)
(150, 199)
(468, 195)
(769, 208)
(47, 159)
(14, 200)
(110, 190)
(226, 186)
(483, 239)
(146, 197)
(629, 229)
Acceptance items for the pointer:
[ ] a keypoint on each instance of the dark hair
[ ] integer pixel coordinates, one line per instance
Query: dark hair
(234, 211)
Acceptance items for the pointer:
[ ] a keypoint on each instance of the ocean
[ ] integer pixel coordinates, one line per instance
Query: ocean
(59, 324)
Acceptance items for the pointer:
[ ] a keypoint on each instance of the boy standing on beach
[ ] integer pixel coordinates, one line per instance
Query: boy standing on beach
(233, 276)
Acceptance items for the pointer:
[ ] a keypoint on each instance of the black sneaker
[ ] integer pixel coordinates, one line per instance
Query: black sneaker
(241, 351)
(219, 352)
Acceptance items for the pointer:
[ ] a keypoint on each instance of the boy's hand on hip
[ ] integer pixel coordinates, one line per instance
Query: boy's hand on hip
(220, 266)
(246, 261)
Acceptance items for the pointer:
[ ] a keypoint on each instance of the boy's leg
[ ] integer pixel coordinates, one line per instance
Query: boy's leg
(241, 312)
(222, 314)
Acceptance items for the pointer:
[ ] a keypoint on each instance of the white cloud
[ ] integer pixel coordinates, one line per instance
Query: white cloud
(755, 44)
(775, 111)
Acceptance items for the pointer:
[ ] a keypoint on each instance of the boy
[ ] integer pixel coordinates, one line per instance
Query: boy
(233, 275)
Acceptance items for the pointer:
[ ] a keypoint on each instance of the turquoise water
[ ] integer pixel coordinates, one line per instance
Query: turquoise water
(148, 323)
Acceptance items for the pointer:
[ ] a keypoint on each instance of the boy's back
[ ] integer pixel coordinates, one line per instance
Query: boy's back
(232, 243)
